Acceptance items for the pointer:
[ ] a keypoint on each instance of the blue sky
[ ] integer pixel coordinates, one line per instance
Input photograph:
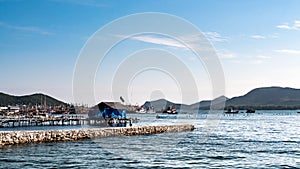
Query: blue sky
(257, 42)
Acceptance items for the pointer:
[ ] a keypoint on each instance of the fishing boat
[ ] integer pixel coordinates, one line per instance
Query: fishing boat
(231, 111)
(166, 117)
(171, 110)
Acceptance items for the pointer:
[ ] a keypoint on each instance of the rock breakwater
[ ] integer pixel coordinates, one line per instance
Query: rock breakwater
(28, 137)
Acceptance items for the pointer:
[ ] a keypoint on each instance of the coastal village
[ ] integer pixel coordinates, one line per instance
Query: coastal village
(43, 110)
(43, 114)
(104, 119)
(109, 119)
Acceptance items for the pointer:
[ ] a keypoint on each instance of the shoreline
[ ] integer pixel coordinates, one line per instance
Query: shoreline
(43, 136)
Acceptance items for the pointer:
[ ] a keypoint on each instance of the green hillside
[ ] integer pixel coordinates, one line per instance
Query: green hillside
(33, 99)
(268, 98)
(259, 98)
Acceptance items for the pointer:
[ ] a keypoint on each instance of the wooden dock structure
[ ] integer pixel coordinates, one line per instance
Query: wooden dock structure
(26, 121)
(112, 122)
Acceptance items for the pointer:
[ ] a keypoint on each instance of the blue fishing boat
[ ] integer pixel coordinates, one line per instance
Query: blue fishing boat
(166, 117)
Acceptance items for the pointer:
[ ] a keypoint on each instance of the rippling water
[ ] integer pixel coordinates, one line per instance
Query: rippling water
(266, 139)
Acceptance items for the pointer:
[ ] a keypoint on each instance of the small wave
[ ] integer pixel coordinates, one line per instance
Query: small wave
(277, 151)
(268, 141)
(132, 162)
(225, 157)
(283, 166)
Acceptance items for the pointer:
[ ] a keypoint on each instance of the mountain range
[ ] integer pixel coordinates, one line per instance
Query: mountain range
(268, 98)
(33, 99)
(259, 98)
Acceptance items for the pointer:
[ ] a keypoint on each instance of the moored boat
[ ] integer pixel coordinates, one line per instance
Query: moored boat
(166, 117)
(171, 110)
(231, 111)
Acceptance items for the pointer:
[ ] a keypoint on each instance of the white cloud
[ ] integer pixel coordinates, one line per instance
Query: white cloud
(288, 51)
(26, 28)
(263, 57)
(191, 40)
(283, 27)
(159, 40)
(258, 37)
(272, 36)
(214, 37)
(288, 26)
(226, 55)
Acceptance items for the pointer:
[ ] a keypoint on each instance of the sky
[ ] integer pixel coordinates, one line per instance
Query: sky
(257, 43)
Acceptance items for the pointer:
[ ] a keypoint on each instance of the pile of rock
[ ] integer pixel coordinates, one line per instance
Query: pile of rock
(26, 137)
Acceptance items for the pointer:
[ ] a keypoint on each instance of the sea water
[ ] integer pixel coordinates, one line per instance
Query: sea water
(266, 139)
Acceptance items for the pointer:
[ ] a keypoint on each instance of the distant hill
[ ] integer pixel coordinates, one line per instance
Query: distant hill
(205, 104)
(33, 99)
(162, 103)
(259, 98)
(268, 98)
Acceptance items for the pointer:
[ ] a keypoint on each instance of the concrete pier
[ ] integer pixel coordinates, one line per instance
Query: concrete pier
(28, 137)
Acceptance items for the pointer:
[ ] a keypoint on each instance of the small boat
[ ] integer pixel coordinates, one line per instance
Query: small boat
(230, 111)
(166, 117)
(142, 111)
(171, 110)
(250, 111)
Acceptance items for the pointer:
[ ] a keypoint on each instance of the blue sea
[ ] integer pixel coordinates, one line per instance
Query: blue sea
(266, 139)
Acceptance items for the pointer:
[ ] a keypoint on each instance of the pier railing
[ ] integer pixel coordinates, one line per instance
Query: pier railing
(24, 121)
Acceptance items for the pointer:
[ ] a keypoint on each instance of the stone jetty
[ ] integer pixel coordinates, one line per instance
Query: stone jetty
(42, 136)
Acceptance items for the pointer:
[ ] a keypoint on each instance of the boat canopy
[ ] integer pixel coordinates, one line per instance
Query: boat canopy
(109, 110)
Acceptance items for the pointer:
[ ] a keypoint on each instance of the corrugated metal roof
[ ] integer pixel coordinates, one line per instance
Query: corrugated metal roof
(114, 105)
